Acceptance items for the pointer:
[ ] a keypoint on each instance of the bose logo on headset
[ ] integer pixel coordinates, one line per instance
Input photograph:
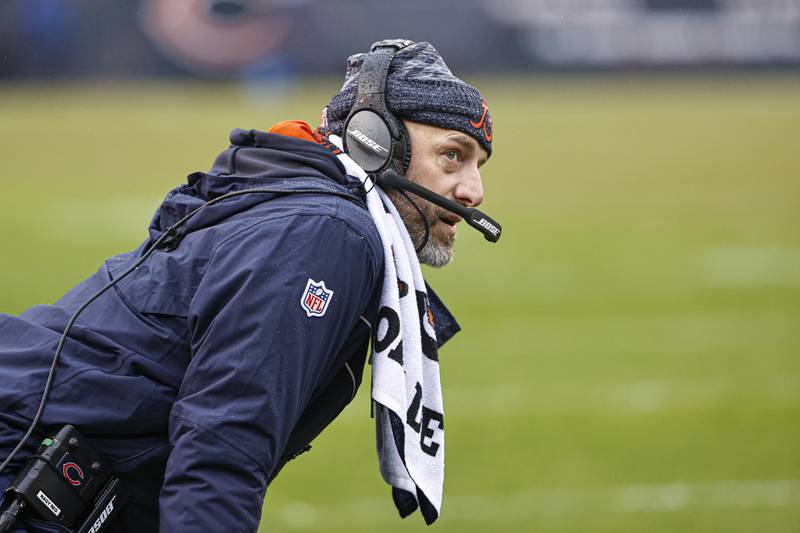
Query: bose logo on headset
(377, 148)
(489, 226)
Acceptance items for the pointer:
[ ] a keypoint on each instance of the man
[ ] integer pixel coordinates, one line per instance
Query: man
(244, 330)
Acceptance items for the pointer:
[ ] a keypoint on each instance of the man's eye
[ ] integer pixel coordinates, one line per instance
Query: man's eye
(452, 155)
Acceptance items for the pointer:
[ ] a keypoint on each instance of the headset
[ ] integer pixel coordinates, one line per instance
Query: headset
(379, 143)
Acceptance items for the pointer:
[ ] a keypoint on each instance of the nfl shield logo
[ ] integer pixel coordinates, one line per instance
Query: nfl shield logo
(316, 298)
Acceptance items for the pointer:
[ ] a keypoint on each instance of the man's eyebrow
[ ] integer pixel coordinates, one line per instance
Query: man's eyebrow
(462, 139)
(467, 142)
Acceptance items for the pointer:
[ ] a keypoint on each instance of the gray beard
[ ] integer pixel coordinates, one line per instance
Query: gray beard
(434, 254)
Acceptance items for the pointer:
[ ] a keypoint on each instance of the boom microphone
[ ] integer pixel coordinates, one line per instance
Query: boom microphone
(491, 230)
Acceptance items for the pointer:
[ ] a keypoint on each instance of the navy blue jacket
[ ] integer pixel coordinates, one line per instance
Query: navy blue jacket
(201, 374)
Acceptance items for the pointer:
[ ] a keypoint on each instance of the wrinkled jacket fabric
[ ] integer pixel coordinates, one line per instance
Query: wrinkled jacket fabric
(200, 374)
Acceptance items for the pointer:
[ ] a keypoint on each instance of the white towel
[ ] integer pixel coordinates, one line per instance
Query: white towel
(406, 389)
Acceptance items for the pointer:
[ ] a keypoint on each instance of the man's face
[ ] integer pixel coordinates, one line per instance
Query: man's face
(447, 162)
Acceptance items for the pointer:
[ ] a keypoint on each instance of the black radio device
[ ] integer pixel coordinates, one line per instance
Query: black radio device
(67, 483)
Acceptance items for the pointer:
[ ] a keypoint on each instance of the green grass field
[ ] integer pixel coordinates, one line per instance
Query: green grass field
(630, 359)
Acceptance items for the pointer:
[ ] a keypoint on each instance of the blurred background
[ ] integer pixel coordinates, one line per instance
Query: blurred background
(630, 359)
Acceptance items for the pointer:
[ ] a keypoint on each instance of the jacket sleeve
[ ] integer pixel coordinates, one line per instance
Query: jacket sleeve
(257, 356)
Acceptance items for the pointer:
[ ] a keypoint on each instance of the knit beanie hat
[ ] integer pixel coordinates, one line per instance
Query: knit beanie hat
(419, 88)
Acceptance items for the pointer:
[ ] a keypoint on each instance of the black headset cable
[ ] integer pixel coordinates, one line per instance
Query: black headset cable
(419, 248)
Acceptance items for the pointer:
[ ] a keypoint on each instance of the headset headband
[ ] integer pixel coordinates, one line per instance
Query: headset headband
(372, 134)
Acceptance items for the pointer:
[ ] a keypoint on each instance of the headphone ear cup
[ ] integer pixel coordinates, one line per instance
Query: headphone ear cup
(368, 141)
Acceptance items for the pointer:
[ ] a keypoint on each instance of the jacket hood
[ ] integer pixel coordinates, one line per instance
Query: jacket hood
(254, 159)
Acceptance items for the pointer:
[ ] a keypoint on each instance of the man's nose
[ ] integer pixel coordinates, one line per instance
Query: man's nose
(469, 190)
